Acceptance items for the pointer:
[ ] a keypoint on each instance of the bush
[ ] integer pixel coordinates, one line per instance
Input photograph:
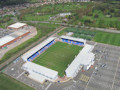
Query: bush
(96, 16)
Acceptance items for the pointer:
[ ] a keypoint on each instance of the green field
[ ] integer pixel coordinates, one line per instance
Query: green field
(42, 13)
(58, 56)
(107, 38)
(7, 83)
(97, 36)
(30, 17)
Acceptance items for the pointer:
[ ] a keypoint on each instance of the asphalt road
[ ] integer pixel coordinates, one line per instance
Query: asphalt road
(87, 27)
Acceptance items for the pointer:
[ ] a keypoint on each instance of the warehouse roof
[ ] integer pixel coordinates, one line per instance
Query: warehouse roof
(17, 25)
(6, 39)
(40, 69)
(36, 48)
(12, 36)
(73, 38)
(18, 33)
(83, 58)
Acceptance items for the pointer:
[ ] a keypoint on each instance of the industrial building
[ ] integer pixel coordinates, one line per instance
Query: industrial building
(8, 39)
(17, 26)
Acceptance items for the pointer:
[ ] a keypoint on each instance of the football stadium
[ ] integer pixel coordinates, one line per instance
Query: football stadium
(58, 57)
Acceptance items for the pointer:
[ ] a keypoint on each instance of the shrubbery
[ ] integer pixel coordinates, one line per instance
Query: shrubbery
(81, 33)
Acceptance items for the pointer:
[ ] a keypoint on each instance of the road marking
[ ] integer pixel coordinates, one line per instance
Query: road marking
(21, 74)
(74, 81)
(84, 78)
(94, 70)
(95, 44)
(115, 73)
(48, 86)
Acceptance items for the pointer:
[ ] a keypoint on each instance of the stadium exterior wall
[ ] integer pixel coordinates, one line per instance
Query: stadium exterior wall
(46, 73)
(86, 67)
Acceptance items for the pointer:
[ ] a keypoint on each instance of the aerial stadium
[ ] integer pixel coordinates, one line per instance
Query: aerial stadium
(58, 57)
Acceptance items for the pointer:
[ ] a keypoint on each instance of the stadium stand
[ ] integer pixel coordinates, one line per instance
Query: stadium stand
(41, 50)
(72, 40)
(40, 71)
(83, 60)
(37, 50)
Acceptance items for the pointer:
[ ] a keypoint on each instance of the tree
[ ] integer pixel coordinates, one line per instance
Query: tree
(12, 2)
(96, 16)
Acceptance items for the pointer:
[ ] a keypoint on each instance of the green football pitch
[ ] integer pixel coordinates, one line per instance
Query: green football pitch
(8, 83)
(58, 57)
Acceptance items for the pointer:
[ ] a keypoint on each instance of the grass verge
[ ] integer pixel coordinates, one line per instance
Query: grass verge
(7, 83)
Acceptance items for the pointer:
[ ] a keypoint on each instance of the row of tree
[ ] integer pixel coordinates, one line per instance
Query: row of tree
(13, 2)
(105, 0)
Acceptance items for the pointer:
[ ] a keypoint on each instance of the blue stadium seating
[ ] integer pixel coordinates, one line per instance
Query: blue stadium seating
(72, 42)
(41, 50)
(50, 44)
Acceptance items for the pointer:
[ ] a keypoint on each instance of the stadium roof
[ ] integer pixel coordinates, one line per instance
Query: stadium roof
(40, 69)
(83, 58)
(86, 60)
(73, 38)
(36, 48)
(37, 77)
(6, 39)
(17, 25)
